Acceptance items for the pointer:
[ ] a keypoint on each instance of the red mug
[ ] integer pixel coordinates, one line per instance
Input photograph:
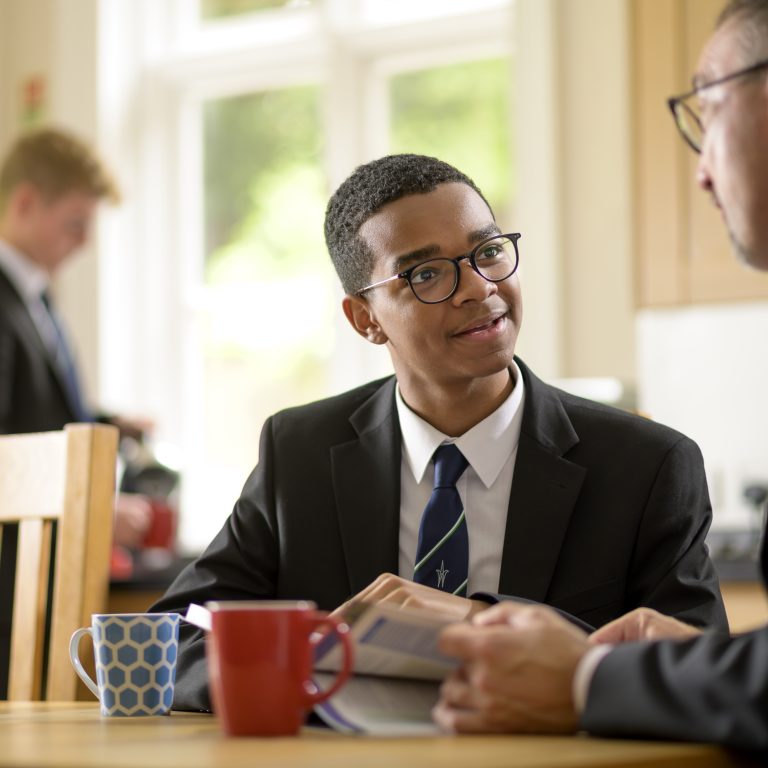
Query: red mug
(260, 657)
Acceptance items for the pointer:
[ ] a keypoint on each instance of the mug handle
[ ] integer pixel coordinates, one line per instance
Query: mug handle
(341, 630)
(74, 657)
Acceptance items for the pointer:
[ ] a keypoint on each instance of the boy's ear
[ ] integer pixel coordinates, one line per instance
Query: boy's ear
(358, 311)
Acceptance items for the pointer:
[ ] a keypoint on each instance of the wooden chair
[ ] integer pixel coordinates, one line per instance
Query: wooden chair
(67, 477)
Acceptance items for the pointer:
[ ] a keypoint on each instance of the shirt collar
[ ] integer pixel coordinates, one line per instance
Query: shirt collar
(486, 446)
(28, 278)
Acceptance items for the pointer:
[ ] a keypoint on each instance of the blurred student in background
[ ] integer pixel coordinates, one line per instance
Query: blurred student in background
(50, 186)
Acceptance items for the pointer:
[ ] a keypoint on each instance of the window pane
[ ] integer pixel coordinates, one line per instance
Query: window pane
(460, 113)
(266, 321)
(404, 11)
(217, 9)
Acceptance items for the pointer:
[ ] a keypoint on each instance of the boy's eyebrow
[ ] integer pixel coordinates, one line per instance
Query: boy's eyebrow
(414, 257)
(489, 230)
(433, 251)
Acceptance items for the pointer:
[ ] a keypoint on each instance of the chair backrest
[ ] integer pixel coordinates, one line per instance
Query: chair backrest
(66, 478)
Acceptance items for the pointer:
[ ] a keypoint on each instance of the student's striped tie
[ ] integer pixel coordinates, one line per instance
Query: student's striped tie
(442, 555)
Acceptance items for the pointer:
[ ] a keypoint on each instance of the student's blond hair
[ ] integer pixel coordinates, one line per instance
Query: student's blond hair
(55, 162)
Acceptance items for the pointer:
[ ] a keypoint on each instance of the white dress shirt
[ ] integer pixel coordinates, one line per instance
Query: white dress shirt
(490, 447)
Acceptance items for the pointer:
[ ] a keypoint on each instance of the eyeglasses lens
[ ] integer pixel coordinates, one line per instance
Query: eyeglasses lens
(436, 280)
(690, 124)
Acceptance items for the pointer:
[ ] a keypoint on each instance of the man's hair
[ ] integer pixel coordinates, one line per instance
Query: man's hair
(752, 16)
(369, 188)
(55, 162)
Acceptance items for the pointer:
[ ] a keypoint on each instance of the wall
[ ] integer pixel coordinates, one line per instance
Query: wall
(702, 373)
(25, 34)
(539, 205)
(5, 65)
(597, 245)
(575, 188)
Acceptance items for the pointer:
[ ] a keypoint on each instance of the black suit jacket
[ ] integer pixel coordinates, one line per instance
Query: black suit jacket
(33, 397)
(607, 511)
(711, 688)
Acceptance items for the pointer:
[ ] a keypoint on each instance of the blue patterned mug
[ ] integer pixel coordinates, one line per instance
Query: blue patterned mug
(135, 661)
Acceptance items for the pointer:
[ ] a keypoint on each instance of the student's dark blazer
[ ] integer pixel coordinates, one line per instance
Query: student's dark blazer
(32, 394)
(607, 511)
(711, 688)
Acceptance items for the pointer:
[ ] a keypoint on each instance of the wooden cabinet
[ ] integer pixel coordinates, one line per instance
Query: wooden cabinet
(745, 603)
(682, 252)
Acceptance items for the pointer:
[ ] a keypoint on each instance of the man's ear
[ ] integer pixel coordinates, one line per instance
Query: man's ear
(358, 311)
(24, 197)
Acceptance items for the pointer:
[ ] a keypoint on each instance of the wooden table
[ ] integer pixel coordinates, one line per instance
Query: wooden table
(76, 736)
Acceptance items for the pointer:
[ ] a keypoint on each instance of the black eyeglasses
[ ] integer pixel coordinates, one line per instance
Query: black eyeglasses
(687, 117)
(436, 280)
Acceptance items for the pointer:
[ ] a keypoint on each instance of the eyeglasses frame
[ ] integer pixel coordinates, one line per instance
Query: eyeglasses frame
(678, 102)
(406, 273)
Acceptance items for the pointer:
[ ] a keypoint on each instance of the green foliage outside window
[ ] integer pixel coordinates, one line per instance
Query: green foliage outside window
(459, 113)
(263, 155)
(266, 319)
(265, 195)
(216, 9)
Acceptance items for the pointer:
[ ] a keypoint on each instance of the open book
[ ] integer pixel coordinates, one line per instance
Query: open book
(397, 670)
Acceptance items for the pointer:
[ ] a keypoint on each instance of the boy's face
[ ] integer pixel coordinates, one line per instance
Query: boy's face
(51, 230)
(462, 340)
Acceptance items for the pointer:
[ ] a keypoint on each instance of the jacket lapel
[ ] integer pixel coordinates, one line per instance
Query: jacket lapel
(25, 327)
(366, 481)
(545, 488)
(20, 317)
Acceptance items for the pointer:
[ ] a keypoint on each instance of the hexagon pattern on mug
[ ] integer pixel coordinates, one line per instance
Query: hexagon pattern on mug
(136, 663)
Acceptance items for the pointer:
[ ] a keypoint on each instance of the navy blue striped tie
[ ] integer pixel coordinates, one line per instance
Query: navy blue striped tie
(66, 365)
(442, 555)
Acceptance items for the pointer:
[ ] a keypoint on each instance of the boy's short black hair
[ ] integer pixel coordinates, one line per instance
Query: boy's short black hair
(370, 187)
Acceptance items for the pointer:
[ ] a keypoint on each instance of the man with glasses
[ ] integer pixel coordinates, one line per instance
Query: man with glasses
(526, 670)
(537, 494)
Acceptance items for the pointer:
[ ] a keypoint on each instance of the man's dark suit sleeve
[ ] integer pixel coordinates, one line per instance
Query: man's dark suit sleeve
(225, 571)
(711, 688)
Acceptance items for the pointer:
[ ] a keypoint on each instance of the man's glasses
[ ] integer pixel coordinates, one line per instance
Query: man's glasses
(436, 280)
(686, 114)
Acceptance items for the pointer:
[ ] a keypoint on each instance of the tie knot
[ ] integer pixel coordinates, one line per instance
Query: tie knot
(449, 464)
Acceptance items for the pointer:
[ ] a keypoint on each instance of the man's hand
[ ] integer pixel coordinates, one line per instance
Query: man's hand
(394, 590)
(643, 624)
(133, 515)
(137, 428)
(518, 663)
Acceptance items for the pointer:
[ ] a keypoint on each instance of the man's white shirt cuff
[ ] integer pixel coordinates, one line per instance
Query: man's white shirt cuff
(585, 671)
